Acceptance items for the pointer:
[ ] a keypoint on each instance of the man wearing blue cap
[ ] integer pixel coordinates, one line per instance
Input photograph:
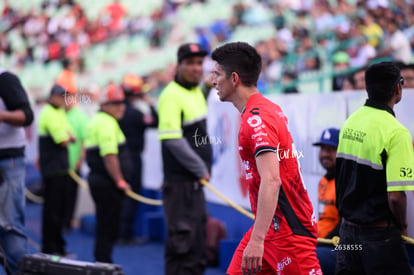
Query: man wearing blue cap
(328, 213)
(328, 222)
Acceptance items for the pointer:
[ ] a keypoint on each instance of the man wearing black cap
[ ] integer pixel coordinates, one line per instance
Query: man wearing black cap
(186, 154)
(374, 168)
(55, 133)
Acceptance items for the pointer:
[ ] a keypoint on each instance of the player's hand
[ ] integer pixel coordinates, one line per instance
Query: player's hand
(123, 185)
(206, 177)
(252, 257)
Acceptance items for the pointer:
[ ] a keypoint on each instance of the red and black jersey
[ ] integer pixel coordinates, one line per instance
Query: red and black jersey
(264, 128)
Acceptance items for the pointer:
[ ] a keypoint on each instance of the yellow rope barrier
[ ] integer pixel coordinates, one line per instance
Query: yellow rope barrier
(129, 193)
(408, 239)
(33, 197)
(229, 202)
(334, 241)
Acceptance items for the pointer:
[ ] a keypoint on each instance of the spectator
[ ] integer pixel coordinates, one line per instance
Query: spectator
(109, 162)
(370, 29)
(407, 72)
(15, 113)
(341, 65)
(55, 133)
(289, 80)
(139, 115)
(397, 44)
(373, 169)
(182, 111)
(67, 78)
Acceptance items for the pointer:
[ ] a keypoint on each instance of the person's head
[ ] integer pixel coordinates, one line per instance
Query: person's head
(384, 82)
(408, 73)
(112, 101)
(57, 96)
(341, 61)
(359, 79)
(190, 64)
(392, 25)
(69, 64)
(328, 144)
(237, 63)
(132, 85)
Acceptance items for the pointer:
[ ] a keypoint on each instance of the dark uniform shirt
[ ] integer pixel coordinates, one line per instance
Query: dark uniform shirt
(182, 113)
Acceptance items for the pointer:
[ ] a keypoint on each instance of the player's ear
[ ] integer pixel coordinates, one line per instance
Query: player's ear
(234, 78)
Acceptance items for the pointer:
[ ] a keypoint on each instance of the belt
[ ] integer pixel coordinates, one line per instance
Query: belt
(378, 224)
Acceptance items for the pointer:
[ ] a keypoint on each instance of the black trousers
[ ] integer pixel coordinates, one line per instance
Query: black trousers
(369, 250)
(185, 213)
(108, 204)
(130, 206)
(54, 214)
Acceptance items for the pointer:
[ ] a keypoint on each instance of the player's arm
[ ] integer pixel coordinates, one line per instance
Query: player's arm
(397, 201)
(108, 150)
(113, 168)
(268, 168)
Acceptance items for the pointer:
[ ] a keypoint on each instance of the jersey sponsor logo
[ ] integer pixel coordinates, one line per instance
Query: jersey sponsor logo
(254, 121)
(259, 134)
(353, 134)
(315, 271)
(259, 128)
(283, 263)
(263, 143)
(246, 165)
(313, 218)
(240, 148)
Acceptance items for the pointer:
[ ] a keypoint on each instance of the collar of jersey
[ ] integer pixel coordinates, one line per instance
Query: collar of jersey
(379, 105)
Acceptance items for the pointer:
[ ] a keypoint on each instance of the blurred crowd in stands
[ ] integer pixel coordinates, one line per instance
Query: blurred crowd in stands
(333, 37)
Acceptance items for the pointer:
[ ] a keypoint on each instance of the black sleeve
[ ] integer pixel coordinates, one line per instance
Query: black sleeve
(154, 116)
(14, 96)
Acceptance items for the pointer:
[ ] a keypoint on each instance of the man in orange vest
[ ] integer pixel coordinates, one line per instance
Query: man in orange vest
(328, 222)
(328, 213)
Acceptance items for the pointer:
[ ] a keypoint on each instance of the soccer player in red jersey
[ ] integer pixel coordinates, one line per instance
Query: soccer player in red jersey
(283, 238)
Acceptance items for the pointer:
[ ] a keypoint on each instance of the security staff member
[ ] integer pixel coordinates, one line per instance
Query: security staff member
(134, 122)
(329, 220)
(55, 133)
(108, 159)
(374, 167)
(186, 154)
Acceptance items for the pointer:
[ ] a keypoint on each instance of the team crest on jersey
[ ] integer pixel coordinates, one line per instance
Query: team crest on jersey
(254, 121)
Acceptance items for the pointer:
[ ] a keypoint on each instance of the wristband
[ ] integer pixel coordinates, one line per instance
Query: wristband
(122, 183)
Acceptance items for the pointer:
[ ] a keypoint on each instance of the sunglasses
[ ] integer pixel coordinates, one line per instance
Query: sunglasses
(401, 81)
